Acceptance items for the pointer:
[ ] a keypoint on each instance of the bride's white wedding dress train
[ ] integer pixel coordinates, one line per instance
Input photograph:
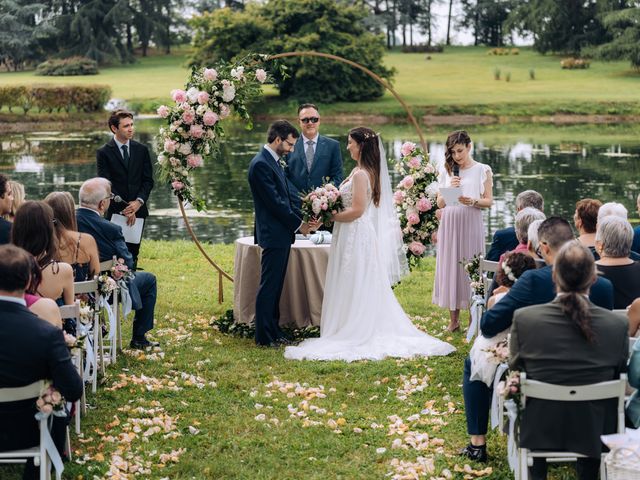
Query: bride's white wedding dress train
(361, 317)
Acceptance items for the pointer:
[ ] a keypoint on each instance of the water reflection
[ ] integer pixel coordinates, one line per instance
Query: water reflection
(562, 171)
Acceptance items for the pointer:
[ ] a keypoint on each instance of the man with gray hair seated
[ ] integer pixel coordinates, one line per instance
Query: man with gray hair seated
(613, 243)
(95, 197)
(614, 209)
(635, 246)
(505, 240)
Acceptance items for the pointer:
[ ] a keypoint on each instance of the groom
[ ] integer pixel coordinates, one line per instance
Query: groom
(276, 225)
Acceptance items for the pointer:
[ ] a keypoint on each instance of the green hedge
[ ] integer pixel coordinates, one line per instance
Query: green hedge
(68, 66)
(47, 98)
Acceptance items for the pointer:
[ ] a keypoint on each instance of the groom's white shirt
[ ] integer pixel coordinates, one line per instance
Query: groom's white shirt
(277, 160)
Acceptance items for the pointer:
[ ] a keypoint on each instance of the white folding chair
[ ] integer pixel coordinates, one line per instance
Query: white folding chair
(486, 267)
(115, 306)
(77, 357)
(563, 393)
(39, 452)
(95, 345)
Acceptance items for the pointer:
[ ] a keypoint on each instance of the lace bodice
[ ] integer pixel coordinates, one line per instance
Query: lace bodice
(346, 191)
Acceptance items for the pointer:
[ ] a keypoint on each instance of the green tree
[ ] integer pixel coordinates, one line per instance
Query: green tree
(624, 26)
(486, 18)
(280, 26)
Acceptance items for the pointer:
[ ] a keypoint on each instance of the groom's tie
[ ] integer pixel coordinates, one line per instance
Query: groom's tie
(309, 154)
(125, 155)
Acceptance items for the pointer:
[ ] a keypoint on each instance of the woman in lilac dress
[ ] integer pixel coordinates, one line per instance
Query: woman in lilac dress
(461, 232)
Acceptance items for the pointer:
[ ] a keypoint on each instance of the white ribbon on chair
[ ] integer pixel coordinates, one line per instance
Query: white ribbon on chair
(476, 309)
(495, 399)
(125, 298)
(49, 446)
(104, 305)
(85, 331)
(512, 445)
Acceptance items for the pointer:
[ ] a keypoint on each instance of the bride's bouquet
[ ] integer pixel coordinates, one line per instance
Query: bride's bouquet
(321, 203)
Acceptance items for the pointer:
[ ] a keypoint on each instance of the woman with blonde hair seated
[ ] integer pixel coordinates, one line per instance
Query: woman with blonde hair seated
(77, 249)
(17, 189)
(33, 231)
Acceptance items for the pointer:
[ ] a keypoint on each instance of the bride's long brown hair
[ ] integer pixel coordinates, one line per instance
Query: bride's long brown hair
(369, 157)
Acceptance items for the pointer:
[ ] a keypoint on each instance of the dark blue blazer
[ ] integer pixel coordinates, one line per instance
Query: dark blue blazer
(532, 288)
(108, 235)
(276, 222)
(635, 246)
(503, 241)
(327, 162)
(5, 231)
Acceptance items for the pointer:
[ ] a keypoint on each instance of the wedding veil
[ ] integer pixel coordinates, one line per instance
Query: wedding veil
(385, 220)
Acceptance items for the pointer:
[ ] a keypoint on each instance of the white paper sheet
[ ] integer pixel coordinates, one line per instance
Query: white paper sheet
(133, 233)
(450, 195)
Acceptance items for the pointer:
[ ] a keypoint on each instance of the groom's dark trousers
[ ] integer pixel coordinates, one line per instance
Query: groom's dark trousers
(276, 224)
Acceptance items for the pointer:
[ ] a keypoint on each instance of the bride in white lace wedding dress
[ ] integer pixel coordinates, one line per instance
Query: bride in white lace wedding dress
(361, 317)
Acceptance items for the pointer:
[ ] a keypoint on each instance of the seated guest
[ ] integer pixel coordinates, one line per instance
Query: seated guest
(524, 218)
(582, 344)
(613, 243)
(77, 249)
(585, 219)
(532, 288)
(95, 196)
(6, 199)
(634, 318)
(635, 246)
(633, 407)
(30, 350)
(33, 230)
(505, 240)
(17, 191)
(612, 209)
(533, 245)
(513, 265)
(45, 308)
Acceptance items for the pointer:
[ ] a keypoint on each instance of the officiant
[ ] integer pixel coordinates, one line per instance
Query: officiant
(127, 165)
(314, 158)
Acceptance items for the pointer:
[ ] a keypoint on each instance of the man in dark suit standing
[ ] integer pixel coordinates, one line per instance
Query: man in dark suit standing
(6, 200)
(276, 224)
(127, 165)
(532, 288)
(31, 349)
(95, 196)
(505, 240)
(314, 158)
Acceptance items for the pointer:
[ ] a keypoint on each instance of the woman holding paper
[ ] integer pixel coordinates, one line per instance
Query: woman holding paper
(461, 231)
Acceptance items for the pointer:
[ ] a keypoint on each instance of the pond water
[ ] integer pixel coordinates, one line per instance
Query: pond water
(565, 164)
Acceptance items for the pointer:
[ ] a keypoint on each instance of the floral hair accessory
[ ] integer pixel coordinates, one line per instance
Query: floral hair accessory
(508, 272)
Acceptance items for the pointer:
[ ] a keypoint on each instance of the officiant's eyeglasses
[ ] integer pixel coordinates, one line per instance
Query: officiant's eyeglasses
(306, 120)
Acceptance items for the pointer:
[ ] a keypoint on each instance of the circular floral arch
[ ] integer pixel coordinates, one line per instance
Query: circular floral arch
(194, 129)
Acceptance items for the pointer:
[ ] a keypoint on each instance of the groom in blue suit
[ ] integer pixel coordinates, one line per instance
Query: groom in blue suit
(276, 225)
(314, 159)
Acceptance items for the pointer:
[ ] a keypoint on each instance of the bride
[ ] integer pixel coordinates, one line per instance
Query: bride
(361, 318)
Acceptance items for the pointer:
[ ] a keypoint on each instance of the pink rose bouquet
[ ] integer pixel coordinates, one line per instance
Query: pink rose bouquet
(50, 401)
(415, 200)
(321, 203)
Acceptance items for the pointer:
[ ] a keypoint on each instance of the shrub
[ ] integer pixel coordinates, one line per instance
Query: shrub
(423, 49)
(507, 77)
(532, 74)
(81, 98)
(68, 66)
(503, 51)
(496, 74)
(572, 63)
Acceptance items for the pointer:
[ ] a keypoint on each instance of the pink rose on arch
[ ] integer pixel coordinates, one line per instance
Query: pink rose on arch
(196, 131)
(407, 182)
(203, 98)
(417, 248)
(399, 197)
(407, 148)
(413, 218)
(188, 117)
(225, 111)
(210, 118)
(429, 168)
(210, 74)
(261, 75)
(185, 148)
(424, 205)
(177, 185)
(414, 162)
(169, 146)
(179, 96)
(174, 161)
(163, 111)
(194, 160)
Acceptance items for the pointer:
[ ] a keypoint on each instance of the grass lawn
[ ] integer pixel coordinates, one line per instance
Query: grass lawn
(460, 80)
(150, 414)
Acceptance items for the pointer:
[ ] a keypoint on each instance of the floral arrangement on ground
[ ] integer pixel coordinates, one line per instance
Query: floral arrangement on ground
(415, 199)
(228, 326)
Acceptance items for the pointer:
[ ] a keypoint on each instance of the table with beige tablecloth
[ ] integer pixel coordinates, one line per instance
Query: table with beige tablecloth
(301, 300)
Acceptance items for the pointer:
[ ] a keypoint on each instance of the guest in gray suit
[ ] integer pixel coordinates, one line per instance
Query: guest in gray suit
(314, 158)
(582, 344)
